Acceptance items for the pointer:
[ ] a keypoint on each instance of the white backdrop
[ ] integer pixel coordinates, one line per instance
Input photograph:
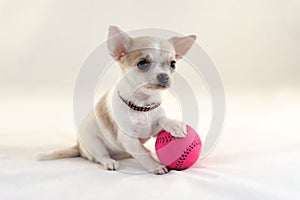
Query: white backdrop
(255, 45)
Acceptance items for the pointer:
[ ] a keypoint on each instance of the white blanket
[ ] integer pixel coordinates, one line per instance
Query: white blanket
(256, 158)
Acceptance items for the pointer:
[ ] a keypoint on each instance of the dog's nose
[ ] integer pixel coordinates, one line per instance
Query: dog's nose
(163, 79)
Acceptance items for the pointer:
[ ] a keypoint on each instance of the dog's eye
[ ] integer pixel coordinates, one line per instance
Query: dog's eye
(143, 64)
(173, 64)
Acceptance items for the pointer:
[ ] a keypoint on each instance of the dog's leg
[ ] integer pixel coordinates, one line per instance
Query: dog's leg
(139, 152)
(91, 145)
(175, 127)
(97, 150)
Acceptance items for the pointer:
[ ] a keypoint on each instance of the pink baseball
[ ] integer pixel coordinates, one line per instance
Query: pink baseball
(178, 153)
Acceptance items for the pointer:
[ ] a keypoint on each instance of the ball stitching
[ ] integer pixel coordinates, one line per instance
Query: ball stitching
(180, 161)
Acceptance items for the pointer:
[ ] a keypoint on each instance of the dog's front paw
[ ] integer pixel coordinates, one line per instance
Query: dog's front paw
(176, 128)
(160, 169)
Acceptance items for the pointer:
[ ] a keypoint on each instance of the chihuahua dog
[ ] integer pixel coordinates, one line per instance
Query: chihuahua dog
(130, 113)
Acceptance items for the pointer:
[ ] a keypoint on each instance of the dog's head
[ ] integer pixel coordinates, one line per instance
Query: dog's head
(147, 62)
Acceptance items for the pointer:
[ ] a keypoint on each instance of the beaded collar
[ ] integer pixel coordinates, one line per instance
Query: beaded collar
(139, 108)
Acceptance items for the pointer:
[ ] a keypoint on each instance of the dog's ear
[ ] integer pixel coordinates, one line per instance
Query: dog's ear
(182, 44)
(117, 42)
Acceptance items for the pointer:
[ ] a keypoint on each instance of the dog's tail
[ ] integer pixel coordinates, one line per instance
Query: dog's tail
(58, 154)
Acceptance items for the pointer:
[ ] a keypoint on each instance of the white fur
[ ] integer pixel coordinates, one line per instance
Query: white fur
(103, 144)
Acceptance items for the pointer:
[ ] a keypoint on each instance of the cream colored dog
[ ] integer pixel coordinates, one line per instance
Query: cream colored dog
(130, 113)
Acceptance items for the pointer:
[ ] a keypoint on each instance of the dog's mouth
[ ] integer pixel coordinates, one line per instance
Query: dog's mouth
(156, 86)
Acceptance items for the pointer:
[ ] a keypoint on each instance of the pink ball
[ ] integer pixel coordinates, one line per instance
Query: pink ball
(178, 153)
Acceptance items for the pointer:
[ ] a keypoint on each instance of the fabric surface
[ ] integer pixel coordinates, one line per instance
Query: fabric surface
(256, 158)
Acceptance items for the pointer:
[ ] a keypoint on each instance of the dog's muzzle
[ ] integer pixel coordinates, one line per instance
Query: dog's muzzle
(163, 79)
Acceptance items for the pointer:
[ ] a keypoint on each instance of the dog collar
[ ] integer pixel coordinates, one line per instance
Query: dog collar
(139, 108)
